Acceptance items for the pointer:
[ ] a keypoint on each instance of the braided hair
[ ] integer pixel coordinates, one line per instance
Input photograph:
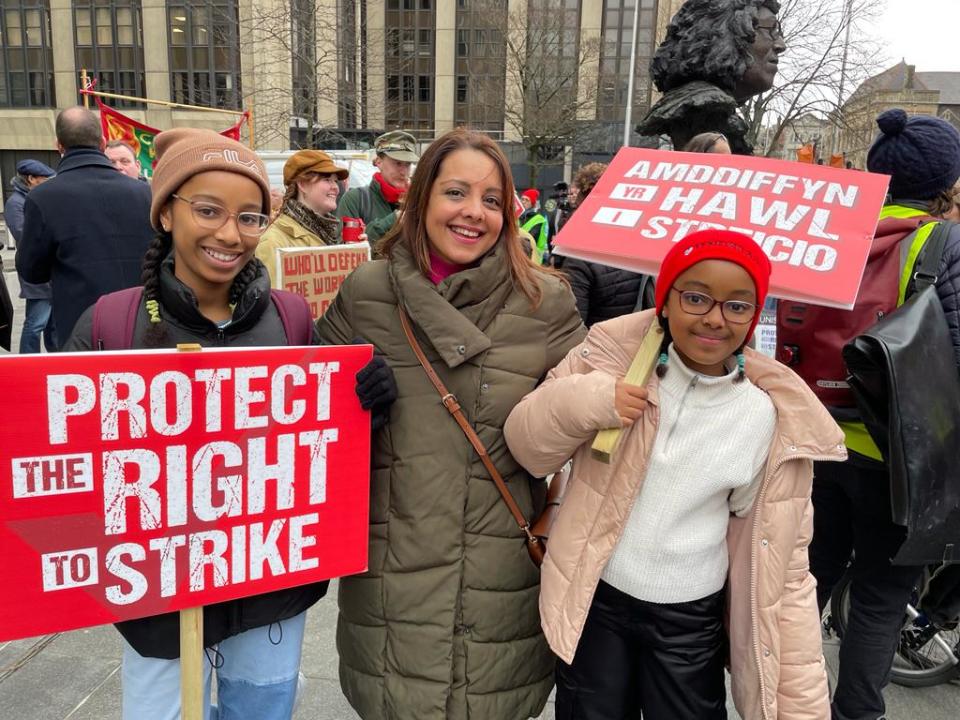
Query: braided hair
(159, 248)
(662, 360)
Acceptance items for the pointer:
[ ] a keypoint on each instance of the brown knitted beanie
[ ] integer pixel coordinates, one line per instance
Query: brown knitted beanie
(185, 152)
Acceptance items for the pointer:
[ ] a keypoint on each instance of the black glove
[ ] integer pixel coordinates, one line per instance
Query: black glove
(377, 389)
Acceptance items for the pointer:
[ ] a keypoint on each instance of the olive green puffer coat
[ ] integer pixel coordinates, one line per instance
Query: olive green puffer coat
(445, 623)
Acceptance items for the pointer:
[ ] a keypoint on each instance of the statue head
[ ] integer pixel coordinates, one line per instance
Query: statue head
(733, 44)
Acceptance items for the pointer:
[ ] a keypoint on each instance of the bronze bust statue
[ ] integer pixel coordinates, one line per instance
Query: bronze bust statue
(717, 54)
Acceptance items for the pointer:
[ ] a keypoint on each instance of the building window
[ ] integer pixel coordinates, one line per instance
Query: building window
(204, 53)
(410, 66)
(480, 65)
(26, 54)
(615, 60)
(425, 94)
(109, 45)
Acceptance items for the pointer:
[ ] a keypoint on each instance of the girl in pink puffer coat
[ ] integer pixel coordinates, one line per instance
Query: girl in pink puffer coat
(689, 550)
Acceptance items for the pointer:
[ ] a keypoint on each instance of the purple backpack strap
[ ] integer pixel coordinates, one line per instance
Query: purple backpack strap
(295, 316)
(114, 318)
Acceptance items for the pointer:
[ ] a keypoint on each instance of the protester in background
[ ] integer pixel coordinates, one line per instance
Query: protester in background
(202, 284)
(276, 202)
(709, 142)
(123, 158)
(700, 520)
(84, 231)
(947, 204)
(379, 203)
(306, 218)
(603, 292)
(852, 500)
(37, 319)
(445, 622)
(534, 222)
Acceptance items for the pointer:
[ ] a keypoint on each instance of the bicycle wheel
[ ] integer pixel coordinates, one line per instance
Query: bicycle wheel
(925, 656)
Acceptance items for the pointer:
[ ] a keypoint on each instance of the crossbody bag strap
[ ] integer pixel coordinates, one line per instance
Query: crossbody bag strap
(450, 402)
(925, 271)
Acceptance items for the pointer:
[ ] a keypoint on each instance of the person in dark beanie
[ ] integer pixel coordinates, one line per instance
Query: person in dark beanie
(86, 230)
(852, 511)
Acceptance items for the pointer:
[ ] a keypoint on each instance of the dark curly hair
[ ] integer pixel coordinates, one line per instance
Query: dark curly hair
(708, 40)
(586, 177)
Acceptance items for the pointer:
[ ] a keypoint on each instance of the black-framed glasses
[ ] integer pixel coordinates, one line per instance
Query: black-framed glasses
(774, 32)
(211, 216)
(738, 312)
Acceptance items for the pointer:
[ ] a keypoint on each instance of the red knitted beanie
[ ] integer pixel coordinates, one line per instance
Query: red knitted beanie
(715, 245)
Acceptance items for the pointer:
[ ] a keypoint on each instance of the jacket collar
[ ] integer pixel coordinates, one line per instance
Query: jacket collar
(180, 303)
(82, 157)
(803, 423)
(454, 315)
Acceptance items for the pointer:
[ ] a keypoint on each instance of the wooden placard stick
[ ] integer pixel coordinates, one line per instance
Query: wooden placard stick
(638, 374)
(191, 640)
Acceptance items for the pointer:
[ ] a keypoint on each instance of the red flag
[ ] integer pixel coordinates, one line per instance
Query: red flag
(140, 137)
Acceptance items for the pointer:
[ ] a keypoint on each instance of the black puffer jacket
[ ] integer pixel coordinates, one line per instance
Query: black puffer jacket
(605, 292)
(257, 323)
(948, 286)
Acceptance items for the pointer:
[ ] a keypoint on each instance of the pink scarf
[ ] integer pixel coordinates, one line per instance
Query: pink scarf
(440, 269)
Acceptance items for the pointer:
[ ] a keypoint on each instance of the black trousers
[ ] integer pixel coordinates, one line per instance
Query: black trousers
(635, 658)
(851, 503)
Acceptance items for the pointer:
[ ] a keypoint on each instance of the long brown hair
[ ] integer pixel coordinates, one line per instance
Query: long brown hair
(412, 229)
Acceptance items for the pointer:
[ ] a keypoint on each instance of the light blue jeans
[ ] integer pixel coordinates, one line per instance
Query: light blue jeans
(258, 677)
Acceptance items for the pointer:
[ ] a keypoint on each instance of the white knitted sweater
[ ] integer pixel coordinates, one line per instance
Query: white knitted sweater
(707, 461)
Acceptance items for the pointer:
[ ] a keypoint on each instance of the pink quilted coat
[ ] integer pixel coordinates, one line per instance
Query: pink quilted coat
(776, 659)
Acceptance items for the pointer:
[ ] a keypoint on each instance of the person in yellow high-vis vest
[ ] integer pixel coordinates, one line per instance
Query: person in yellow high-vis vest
(535, 223)
(852, 511)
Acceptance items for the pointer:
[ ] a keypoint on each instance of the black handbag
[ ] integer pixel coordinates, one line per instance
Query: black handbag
(904, 376)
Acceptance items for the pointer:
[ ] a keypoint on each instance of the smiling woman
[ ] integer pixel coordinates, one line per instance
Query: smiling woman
(202, 284)
(306, 218)
(445, 623)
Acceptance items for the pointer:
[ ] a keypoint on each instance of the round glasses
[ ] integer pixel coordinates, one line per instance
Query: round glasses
(211, 216)
(733, 311)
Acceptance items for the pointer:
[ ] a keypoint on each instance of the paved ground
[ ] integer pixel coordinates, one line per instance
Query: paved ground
(75, 675)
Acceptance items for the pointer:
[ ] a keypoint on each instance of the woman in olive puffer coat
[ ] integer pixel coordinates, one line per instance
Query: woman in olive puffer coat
(445, 622)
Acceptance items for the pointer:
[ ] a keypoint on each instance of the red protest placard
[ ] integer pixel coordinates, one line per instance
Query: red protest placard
(316, 273)
(137, 483)
(815, 223)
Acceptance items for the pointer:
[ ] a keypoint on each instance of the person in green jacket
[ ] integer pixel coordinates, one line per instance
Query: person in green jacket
(379, 203)
(534, 222)
(445, 623)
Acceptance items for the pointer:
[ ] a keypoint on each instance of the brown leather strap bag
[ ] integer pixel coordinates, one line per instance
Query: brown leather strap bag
(535, 545)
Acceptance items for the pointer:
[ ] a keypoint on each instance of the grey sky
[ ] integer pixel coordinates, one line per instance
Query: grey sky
(924, 32)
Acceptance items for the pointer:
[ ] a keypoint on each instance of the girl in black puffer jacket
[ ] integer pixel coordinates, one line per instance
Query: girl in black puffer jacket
(202, 284)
